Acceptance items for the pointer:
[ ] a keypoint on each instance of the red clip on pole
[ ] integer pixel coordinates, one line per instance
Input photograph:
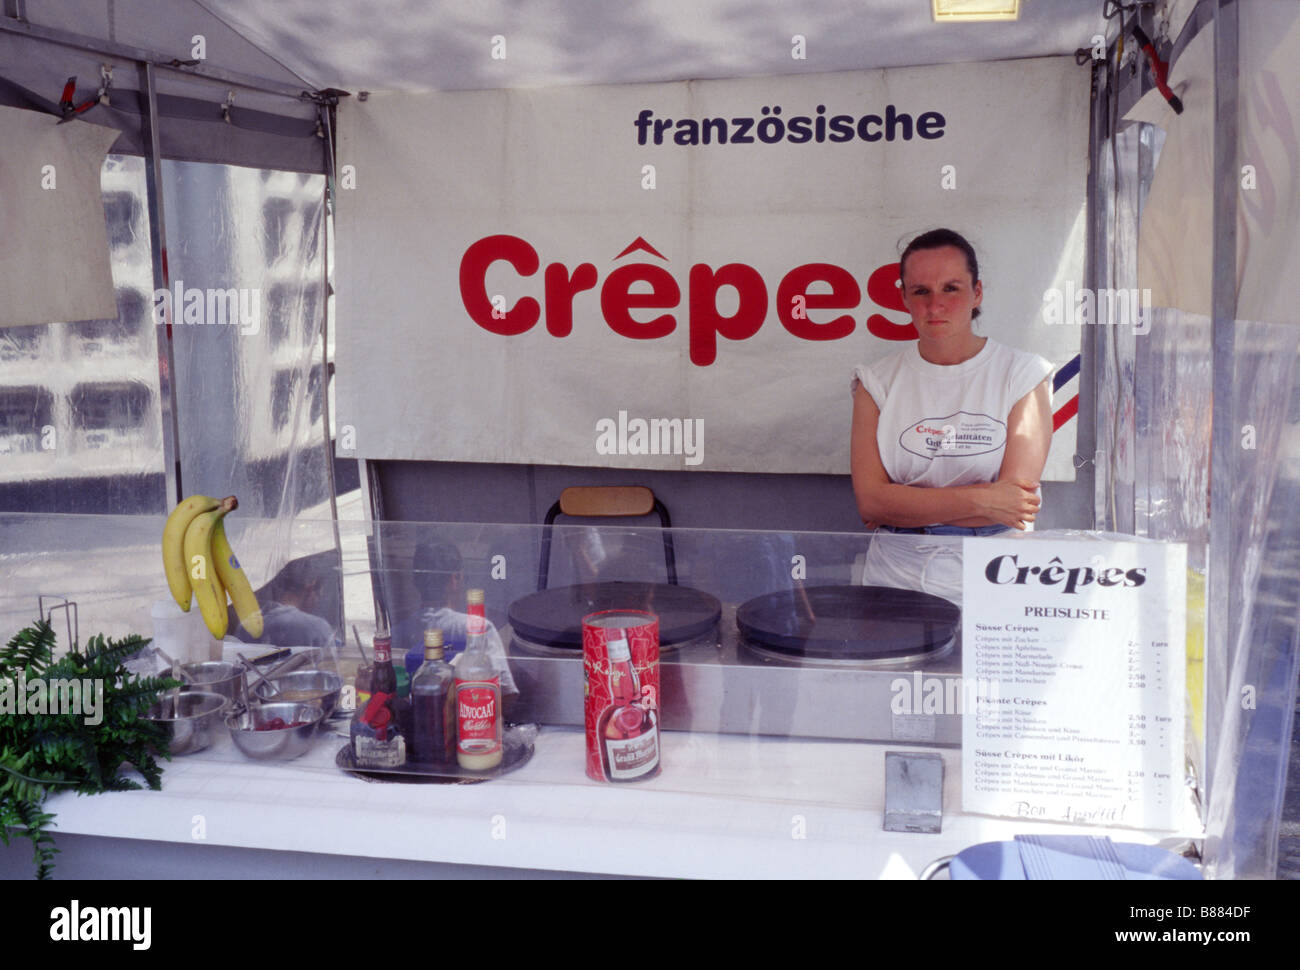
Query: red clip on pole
(66, 106)
(69, 92)
(1158, 69)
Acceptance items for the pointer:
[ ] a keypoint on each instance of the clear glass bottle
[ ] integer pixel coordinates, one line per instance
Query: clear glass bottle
(478, 696)
(377, 738)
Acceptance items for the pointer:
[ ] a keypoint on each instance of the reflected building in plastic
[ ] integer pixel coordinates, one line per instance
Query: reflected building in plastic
(80, 412)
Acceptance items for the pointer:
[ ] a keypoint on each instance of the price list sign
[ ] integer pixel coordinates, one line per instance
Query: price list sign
(1074, 656)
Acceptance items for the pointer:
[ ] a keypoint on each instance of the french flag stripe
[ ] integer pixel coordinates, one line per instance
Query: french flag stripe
(1067, 372)
(1065, 412)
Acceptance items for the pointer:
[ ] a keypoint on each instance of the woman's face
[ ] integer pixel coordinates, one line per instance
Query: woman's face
(938, 292)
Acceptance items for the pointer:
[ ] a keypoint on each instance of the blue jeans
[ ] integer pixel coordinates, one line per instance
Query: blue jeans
(948, 530)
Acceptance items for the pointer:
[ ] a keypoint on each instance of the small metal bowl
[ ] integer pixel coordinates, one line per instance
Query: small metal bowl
(216, 677)
(194, 723)
(280, 744)
(304, 687)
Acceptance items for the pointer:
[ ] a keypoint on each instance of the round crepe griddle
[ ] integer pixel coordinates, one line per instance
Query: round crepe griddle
(553, 617)
(850, 622)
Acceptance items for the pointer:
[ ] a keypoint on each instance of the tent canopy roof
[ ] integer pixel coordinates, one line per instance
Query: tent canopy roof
(417, 44)
(284, 49)
(442, 45)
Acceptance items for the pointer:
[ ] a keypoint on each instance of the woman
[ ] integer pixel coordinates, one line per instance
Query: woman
(950, 434)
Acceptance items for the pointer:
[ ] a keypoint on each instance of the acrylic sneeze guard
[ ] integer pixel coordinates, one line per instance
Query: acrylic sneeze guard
(738, 724)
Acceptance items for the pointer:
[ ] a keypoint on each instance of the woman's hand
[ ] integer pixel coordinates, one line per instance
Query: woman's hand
(1012, 502)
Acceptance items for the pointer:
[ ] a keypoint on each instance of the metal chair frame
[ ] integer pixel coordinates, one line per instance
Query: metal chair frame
(670, 557)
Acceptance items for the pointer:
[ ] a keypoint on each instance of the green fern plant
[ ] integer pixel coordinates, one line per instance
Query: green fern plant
(42, 753)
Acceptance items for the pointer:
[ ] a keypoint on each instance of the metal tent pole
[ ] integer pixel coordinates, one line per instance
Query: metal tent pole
(1085, 443)
(161, 281)
(1223, 599)
(324, 112)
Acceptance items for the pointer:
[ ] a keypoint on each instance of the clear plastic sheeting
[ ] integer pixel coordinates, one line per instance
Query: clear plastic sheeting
(1156, 402)
(246, 262)
(1258, 705)
(1171, 488)
(80, 421)
(1153, 425)
(1119, 184)
(1172, 480)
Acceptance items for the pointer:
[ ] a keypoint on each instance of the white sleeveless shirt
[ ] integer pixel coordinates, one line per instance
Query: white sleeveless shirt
(940, 425)
(944, 425)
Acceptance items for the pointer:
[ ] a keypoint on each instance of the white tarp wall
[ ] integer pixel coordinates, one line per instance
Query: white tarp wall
(54, 261)
(1174, 256)
(456, 348)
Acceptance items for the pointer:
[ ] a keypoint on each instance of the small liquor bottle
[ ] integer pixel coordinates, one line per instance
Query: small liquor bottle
(478, 696)
(383, 677)
(628, 729)
(377, 739)
(433, 738)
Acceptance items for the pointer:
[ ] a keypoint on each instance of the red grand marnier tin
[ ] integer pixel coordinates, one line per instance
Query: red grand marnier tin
(620, 668)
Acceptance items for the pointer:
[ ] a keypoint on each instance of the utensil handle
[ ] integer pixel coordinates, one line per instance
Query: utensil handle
(293, 663)
(250, 669)
(175, 666)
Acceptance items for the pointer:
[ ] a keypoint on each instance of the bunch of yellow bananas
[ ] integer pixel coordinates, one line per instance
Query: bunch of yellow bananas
(198, 561)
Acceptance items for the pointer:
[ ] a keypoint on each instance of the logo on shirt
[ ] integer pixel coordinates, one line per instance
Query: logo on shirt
(958, 435)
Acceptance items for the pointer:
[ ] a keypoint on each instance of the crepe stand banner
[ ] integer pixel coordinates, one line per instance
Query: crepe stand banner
(683, 275)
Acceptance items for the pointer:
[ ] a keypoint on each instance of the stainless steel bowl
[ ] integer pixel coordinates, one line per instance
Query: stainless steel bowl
(304, 687)
(280, 744)
(216, 677)
(194, 722)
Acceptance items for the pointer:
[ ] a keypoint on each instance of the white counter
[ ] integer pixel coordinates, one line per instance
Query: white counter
(724, 807)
